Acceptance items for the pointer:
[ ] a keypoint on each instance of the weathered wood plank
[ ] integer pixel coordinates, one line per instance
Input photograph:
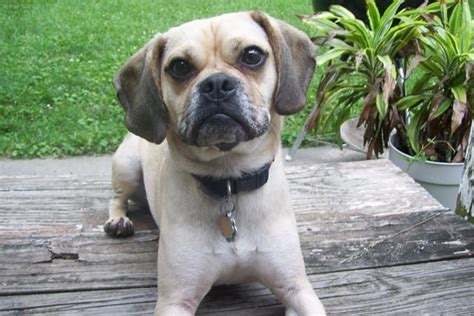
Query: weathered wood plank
(41, 204)
(358, 223)
(95, 261)
(430, 288)
(364, 187)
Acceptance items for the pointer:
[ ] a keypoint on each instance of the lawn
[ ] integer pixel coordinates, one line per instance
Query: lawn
(58, 58)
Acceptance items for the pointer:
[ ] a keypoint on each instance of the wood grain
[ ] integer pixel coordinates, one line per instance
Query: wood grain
(77, 262)
(374, 242)
(429, 288)
(58, 204)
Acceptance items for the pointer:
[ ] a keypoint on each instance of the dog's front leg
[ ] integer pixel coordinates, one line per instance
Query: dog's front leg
(300, 300)
(184, 276)
(283, 272)
(181, 297)
(127, 182)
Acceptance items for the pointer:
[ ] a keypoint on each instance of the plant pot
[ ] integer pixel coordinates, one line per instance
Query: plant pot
(352, 135)
(440, 179)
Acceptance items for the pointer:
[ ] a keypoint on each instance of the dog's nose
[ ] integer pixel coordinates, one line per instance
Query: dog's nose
(218, 87)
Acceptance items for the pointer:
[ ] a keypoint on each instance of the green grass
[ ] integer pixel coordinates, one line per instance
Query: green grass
(58, 58)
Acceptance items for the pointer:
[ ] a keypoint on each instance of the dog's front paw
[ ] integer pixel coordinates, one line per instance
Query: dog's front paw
(119, 227)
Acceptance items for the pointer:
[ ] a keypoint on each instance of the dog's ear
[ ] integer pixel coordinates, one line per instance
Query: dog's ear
(139, 91)
(294, 55)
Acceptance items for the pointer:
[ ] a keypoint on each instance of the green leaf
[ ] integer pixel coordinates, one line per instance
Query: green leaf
(402, 40)
(387, 18)
(455, 19)
(344, 114)
(345, 102)
(397, 37)
(360, 33)
(443, 107)
(453, 45)
(460, 94)
(422, 84)
(414, 129)
(409, 101)
(328, 80)
(373, 15)
(414, 63)
(431, 67)
(382, 105)
(444, 12)
(321, 24)
(466, 29)
(341, 11)
(330, 55)
(337, 43)
(338, 95)
(430, 8)
(443, 45)
(388, 65)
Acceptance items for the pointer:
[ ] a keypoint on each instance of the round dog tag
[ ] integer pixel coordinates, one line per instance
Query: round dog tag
(228, 226)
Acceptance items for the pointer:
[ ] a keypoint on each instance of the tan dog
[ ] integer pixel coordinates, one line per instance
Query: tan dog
(205, 101)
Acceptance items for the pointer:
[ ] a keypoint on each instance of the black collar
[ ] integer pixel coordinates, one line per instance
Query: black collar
(247, 182)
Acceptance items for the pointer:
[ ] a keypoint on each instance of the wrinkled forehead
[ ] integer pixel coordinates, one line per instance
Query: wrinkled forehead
(224, 35)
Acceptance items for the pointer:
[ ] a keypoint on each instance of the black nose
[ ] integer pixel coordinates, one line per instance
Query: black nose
(218, 87)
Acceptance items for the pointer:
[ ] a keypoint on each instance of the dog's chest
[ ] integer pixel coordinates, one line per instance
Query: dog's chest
(237, 261)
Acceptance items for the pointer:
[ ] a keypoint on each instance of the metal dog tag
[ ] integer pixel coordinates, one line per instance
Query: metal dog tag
(226, 220)
(228, 226)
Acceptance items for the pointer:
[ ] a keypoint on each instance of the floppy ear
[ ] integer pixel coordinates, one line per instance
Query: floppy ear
(138, 90)
(294, 55)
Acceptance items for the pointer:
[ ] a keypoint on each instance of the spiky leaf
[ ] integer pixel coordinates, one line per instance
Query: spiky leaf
(414, 130)
(460, 93)
(342, 12)
(466, 31)
(373, 15)
(382, 105)
(330, 55)
(442, 108)
(409, 101)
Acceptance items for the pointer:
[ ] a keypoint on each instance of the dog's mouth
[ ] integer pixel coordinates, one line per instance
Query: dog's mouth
(222, 130)
(224, 123)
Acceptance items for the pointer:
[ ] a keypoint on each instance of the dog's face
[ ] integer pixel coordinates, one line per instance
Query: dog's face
(216, 82)
(218, 77)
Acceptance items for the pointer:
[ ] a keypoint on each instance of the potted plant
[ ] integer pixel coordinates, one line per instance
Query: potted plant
(439, 103)
(361, 67)
(432, 115)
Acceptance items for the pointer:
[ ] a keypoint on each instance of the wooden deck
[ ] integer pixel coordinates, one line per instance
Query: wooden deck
(374, 243)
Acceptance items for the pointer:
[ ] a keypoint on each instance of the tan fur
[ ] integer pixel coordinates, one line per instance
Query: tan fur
(193, 255)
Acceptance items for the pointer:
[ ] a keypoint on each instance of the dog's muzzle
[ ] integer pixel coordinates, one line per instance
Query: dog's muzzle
(221, 115)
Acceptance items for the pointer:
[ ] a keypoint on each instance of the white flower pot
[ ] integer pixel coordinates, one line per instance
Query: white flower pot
(440, 179)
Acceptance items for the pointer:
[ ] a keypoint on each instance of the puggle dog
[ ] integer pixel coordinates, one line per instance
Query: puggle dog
(204, 105)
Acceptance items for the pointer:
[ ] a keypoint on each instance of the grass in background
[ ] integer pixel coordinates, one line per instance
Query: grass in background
(58, 58)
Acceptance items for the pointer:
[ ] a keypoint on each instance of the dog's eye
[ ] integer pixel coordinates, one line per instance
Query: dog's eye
(252, 57)
(180, 69)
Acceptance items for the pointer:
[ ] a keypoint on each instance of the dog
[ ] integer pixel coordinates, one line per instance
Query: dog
(204, 106)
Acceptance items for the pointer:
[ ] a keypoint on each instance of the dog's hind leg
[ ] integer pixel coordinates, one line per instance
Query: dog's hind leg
(127, 183)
